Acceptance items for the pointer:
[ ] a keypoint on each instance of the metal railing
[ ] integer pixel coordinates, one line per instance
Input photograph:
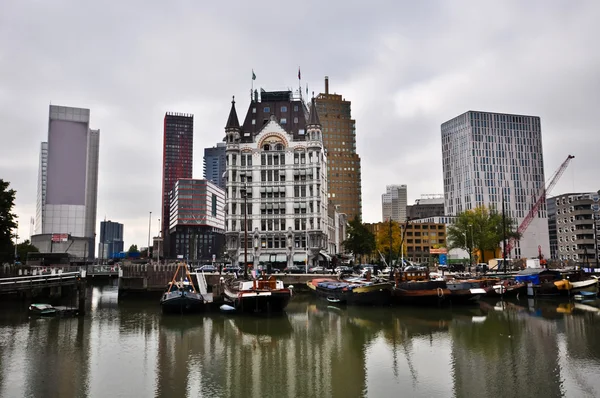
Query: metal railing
(34, 281)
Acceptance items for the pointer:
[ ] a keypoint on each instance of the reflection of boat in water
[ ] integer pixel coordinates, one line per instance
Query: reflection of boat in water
(262, 295)
(352, 291)
(181, 296)
(275, 326)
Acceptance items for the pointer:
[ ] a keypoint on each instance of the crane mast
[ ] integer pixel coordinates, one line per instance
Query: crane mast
(538, 204)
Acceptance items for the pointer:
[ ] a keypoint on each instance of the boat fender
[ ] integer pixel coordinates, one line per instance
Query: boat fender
(440, 292)
(291, 288)
(226, 308)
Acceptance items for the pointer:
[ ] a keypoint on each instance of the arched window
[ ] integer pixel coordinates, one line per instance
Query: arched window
(266, 147)
(279, 147)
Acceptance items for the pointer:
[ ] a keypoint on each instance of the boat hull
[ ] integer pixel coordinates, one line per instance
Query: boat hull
(426, 297)
(261, 302)
(368, 295)
(182, 305)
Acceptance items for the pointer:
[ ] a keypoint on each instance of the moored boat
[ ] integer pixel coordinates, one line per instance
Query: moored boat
(42, 310)
(261, 295)
(181, 295)
(414, 286)
(464, 292)
(352, 291)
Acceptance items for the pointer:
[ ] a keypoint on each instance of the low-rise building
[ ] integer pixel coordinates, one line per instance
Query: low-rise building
(196, 220)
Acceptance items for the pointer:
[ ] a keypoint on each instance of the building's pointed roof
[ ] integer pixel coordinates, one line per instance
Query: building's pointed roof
(232, 121)
(314, 116)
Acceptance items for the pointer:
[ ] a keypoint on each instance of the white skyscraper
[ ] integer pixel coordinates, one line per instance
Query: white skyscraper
(393, 203)
(488, 157)
(68, 184)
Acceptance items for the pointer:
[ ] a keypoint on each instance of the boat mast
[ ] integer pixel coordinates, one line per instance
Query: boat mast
(503, 235)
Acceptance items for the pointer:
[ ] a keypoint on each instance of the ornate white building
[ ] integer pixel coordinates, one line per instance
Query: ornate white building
(276, 178)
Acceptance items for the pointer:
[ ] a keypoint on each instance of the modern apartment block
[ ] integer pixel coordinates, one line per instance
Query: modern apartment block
(197, 220)
(393, 203)
(111, 239)
(214, 164)
(277, 180)
(489, 158)
(339, 137)
(178, 156)
(425, 207)
(573, 219)
(68, 184)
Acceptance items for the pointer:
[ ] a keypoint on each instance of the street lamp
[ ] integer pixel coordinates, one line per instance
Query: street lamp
(244, 192)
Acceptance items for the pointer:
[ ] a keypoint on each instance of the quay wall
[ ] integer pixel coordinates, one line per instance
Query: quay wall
(153, 279)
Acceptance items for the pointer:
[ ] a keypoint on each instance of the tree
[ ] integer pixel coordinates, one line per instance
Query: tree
(7, 222)
(360, 240)
(481, 229)
(383, 239)
(133, 249)
(25, 247)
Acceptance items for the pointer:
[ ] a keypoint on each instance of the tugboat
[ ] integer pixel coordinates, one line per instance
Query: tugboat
(261, 295)
(181, 296)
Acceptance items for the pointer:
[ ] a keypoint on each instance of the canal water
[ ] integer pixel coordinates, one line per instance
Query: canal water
(127, 348)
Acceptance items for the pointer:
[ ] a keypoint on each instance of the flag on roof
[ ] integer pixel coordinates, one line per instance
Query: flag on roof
(299, 73)
(253, 75)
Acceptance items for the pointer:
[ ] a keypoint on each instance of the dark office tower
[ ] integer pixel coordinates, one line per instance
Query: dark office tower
(111, 239)
(339, 137)
(214, 164)
(178, 150)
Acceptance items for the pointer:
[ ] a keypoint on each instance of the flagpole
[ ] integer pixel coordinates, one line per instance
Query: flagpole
(252, 86)
(299, 83)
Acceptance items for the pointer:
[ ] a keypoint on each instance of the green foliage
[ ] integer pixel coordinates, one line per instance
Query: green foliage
(8, 224)
(383, 239)
(133, 249)
(480, 229)
(25, 247)
(360, 240)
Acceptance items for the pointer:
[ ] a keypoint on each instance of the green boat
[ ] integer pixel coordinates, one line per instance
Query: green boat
(42, 310)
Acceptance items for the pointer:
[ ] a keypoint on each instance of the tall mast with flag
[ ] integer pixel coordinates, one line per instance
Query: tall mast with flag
(299, 83)
(252, 86)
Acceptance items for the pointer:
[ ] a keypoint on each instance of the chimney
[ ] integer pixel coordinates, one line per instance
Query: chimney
(326, 84)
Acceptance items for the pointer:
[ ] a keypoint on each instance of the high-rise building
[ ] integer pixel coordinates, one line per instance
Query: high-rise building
(277, 180)
(214, 164)
(197, 223)
(111, 239)
(339, 138)
(425, 207)
(393, 203)
(490, 158)
(574, 227)
(68, 184)
(178, 156)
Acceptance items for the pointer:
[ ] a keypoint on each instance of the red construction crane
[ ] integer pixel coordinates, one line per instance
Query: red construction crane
(541, 199)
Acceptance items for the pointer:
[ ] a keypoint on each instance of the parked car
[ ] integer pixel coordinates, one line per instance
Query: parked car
(230, 269)
(317, 270)
(294, 269)
(343, 270)
(207, 268)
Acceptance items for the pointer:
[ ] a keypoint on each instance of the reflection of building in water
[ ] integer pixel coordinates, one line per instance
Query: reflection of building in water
(506, 352)
(45, 358)
(300, 354)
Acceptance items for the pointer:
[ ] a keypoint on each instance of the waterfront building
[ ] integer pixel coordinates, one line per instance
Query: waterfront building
(393, 203)
(343, 162)
(68, 184)
(197, 220)
(178, 156)
(426, 206)
(111, 239)
(419, 238)
(277, 181)
(337, 229)
(573, 226)
(214, 164)
(490, 158)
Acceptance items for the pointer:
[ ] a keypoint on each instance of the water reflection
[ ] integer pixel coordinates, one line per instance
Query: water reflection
(128, 348)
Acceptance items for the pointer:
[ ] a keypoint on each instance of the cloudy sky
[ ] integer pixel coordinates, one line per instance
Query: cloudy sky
(406, 66)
